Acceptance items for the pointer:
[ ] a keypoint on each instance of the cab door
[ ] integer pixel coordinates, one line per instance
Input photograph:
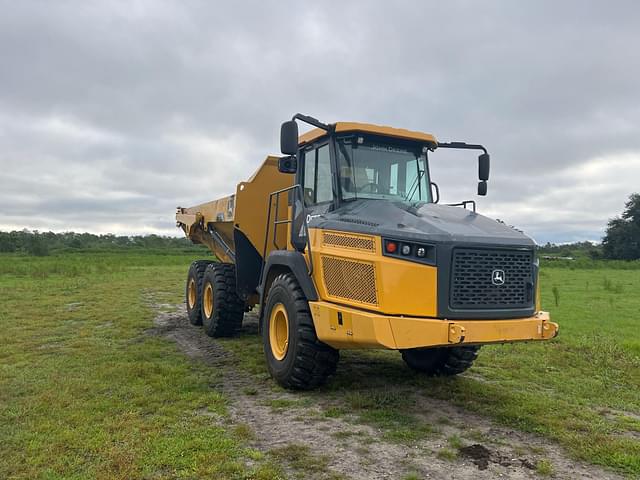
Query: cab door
(316, 179)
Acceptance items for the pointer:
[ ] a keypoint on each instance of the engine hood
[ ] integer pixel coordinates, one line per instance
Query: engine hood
(428, 222)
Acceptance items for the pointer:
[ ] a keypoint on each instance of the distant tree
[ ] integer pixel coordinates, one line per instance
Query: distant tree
(36, 244)
(7, 242)
(622, 240)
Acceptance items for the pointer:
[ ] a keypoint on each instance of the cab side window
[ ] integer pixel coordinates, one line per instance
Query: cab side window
(317, 176)
(310, 177)
(324, 191)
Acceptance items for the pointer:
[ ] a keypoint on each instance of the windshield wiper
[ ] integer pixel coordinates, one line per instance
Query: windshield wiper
(414, 185)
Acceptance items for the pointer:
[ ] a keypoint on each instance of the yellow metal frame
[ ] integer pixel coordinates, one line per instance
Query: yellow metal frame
(344, 327)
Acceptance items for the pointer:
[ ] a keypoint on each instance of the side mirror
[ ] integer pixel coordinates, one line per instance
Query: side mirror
(287, 164)
(483, 167)
(435, 186)
(482, 188)
(289, 138)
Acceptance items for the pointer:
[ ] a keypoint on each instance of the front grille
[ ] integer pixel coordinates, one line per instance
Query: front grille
(475, 272)
(350, 280)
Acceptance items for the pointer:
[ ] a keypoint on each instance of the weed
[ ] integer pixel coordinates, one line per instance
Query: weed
(375, 399)
(544, 467)
(455, 442)
(281, 403)
(300, 458)
(254, 454)
(556, 295)
(609, 286)
(447, 454)
(334, 412)
(244, 431)
(266, 471)
(411, 476)
(444, 421)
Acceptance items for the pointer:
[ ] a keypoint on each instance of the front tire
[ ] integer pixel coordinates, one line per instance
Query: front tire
(441, 361)
(221, 308)
(296, 359)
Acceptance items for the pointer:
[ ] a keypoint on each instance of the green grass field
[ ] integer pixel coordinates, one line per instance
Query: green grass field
(86, 392)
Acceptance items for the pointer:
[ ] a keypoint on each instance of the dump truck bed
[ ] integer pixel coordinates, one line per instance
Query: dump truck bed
(240, 218)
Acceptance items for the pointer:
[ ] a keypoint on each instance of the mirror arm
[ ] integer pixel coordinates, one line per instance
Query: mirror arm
(311, 121)
(462, 146)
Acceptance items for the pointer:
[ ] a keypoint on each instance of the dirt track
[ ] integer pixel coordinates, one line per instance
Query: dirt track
(358, 451)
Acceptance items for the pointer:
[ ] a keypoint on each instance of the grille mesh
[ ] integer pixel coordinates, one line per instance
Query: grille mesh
(355, 281)
(349, 241)
(471, 279)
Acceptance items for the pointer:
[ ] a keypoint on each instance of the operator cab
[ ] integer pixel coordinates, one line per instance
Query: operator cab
(345, 162)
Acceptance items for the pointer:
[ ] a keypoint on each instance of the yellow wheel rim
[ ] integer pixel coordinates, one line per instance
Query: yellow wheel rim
(279, 331)
(207, 300)
(192, 293)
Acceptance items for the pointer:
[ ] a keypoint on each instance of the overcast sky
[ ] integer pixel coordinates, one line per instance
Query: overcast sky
(113, 113)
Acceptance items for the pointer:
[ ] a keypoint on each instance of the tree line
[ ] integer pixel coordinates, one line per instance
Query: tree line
(43, 243)
(621, 241)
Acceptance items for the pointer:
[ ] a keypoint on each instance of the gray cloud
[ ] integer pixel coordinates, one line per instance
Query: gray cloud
(111, 114)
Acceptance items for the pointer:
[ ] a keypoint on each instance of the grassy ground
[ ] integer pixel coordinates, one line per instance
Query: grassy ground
(85, 392)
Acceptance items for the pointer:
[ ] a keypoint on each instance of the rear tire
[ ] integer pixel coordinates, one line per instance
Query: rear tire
(193, 290)
(442, 361)
(295, 357)
(221, 308)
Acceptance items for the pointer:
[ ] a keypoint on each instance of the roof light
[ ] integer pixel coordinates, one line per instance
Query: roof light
(406, 249)
(421, 252)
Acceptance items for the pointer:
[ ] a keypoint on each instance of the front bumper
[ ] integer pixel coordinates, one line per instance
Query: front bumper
(344, 327)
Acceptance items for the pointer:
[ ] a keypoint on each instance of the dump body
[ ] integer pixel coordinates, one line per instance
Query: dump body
(235, 227)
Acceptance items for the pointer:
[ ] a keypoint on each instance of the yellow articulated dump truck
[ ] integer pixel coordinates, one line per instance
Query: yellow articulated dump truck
(342, 243)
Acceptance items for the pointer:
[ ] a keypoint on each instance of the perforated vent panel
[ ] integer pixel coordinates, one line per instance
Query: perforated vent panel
(471, 279)
(355, 281)
(349, 241)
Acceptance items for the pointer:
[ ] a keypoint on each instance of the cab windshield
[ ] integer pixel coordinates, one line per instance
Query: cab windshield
(382, 170)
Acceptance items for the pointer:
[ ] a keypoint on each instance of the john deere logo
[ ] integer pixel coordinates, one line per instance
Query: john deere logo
(497, 277)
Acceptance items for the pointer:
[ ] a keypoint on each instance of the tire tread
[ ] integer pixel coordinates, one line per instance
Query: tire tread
(315, 361)
(441, 362)
(228, 310)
